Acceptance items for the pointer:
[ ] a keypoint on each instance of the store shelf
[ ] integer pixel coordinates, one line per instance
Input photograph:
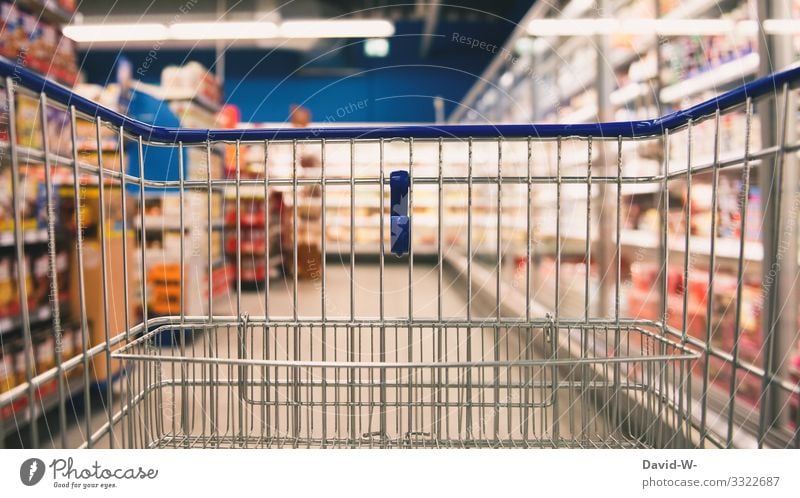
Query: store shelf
(342, 201)
(38, 236)
(190, 96)
(628, 93)
(166, 256)
(687, 9)
(582, 84)
(581, 115)
(38, 316)
(173, 223)
(48, 9)
(20, 414)
(245, 192)
(375, 221)
(342, 248)
(729, 72)
(90, 145)
(693, 8)
(725, 248)
(641, 188)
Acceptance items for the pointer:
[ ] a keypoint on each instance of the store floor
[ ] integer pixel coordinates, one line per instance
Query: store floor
(312, 405)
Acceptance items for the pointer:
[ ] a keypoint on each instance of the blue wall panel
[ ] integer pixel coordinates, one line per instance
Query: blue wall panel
(336, 81)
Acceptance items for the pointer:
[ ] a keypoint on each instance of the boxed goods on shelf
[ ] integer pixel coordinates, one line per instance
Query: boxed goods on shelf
(9, 302)
(44, 350)
(165, 209)
(253, 219)
(197, 164)
(253, 270)
(163, 288)
(94, 286)
(33, 42)
(45, 346)
(39, 296)
(687, 56)
(7, 378)
(32, 206)
(306, 235)
(626, 44)
(29, 125)
(191, 79)
(14, 361)
(309, 261)
(643, 301)
(15, 272)
(253, 242)
(71, 343)
(40, 278)
(191, 115)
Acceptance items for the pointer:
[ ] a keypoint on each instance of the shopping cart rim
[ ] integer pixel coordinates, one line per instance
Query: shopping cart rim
(548, 362)
(125, 352)
(15, 73)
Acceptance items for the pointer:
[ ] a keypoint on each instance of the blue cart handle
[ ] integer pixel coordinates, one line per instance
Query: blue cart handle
(626, 129)
(399, 184)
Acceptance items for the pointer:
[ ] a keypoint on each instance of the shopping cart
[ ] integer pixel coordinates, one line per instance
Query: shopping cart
(500, 371)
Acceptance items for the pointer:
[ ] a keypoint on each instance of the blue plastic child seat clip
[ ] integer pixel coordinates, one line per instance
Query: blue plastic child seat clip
(400, 224)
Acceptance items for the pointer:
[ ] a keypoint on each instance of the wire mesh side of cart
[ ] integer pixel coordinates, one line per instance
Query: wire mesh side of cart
(364, 386)
(501, 319)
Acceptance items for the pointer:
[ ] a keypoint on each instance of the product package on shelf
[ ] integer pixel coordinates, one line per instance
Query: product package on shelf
(193, 116)
(794, 375)
(36, 44)
(627, 45)
(259, 212)
(7, 378)
(13, 367)
(9, 287)
(29, 125)
(192, 80)
(86, 130)
(307, 234)
(188, 97)
(643, 301)
(94, 283)
(688, 56)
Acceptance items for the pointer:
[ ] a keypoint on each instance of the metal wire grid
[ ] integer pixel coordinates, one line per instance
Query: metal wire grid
(369, 385)
(302, 377)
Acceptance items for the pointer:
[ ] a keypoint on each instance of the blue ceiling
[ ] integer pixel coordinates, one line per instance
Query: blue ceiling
(400, 87)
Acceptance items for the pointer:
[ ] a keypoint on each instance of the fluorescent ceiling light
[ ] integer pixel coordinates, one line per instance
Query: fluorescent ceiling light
(223, 30)
(571, 27)
(230, 30)
(704, 27)
(337, 28)
(647, 26)
(116, 32)
(637, 26)
(690, 27)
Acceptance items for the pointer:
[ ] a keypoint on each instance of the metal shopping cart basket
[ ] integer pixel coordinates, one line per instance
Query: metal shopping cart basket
(502, 367)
